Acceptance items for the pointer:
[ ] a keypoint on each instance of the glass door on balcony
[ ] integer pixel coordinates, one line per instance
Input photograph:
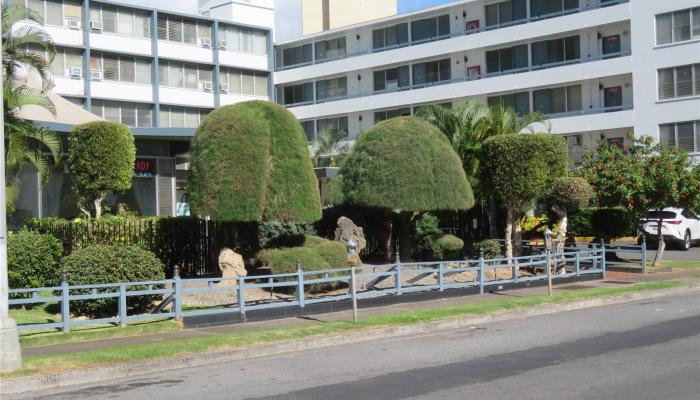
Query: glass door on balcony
(613, 98)
(611, 44)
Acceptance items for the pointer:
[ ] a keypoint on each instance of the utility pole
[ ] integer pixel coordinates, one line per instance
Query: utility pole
(10, 353)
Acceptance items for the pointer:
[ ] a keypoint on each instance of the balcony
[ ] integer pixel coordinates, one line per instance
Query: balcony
(463, 32)
(481, 77)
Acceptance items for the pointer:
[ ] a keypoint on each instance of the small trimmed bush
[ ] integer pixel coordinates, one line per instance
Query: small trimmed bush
(100, 263)
(334, 253)
(491, 248)
(33, 260)
(282, 234)
(448, 244)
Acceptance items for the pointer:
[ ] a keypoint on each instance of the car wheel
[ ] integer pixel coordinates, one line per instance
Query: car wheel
(685, 245)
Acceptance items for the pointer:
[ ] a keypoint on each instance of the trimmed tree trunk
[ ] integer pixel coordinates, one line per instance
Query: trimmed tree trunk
(661, 246)
(388, 235)
(561, 226)
(404, 234)
(509, 232)
(491, 214)
(98, 205)
(518, 236)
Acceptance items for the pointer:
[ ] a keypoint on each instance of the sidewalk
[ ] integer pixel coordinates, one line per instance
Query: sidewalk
(614, 279)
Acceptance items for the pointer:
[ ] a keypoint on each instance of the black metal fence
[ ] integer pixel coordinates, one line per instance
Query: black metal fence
(192, 244)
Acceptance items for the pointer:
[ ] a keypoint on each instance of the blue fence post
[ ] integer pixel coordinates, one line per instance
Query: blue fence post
(516, 270)
(122, 305)
(178, 293)
(594, 261)
(441, 283)
(398, 274)
(602, 255)
(65, 302)
(577, 263)
(482, 264)
(241, 297)
(644, 254)
(300, 285)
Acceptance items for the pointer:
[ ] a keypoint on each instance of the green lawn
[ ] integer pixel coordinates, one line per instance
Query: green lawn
(665, 265)
(117, 354)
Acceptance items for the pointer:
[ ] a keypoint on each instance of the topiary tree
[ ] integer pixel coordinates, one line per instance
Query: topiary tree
(250, 162)
(101, 158)
(567, 196)
(403, 164)
(518, 169)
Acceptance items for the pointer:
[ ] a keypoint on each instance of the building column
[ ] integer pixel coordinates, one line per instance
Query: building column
(216, 78)
(155, 70)
(86, 54)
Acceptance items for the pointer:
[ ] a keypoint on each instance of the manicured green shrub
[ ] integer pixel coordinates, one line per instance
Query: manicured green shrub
(608, 223)
(101, 158)
(100, 263)
(448, 245)
(33, 260)
(490, 247)
(283, 233)
(334, 253)
(284, 260)
(250, 162)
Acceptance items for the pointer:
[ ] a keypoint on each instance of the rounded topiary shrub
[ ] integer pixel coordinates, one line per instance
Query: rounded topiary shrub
(449, 245)
(33, 260)
(250, 162)
(334, 253)
(609, 223)
(490, 247)
(99, 264)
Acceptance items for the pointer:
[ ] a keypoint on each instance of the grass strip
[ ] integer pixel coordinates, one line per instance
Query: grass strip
(140, 352)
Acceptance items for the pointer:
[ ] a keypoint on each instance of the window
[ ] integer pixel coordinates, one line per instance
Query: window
(109, 19)
(679, 81)
(332, 88)
(391, 36)
(54, 13)
(297, 55)
(392, 79)
(330, 49)
(556, 50)
(557, 100)
(65, 60)
(130, 114)
(261, 84)
(309, 130)
(431, 72)
(125, 22)
(380, 116)
(182, 30)
(683, 135)
(506, 12)
(520, 102)
(430, 28)
(507, 59)
(546, 8)
(612, 97)
(180, 75)
(678, 26)
(333, 125)
(122, 21)
(121, 68)
(302, 93)
(611, 44)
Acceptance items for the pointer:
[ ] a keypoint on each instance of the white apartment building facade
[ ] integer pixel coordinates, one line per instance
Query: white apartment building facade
(158, 72)
(600, 69)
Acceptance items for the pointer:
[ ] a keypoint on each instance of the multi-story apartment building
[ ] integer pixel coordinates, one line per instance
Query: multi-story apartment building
(599, 69)
(156, 71)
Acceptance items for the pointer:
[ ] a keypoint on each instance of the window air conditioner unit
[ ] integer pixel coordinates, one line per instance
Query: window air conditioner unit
(75, 72)
(96, 25)
(206, 42)
(95, 75)
(73, 23)
(223, 87)
(206, 86)
(223, 44)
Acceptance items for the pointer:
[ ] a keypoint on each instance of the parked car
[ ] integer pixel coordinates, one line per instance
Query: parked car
(679, 226)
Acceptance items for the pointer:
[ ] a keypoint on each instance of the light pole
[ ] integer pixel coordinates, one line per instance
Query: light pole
(548, 252)
(10, 354)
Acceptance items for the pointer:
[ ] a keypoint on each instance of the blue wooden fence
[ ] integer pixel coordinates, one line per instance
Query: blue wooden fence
(400, 278)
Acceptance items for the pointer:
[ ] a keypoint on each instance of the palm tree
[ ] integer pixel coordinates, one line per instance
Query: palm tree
(504, 120)
(329, 144)
(26, 142)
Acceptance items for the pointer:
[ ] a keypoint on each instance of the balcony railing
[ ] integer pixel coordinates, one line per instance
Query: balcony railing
(413, 86)
(463, 32)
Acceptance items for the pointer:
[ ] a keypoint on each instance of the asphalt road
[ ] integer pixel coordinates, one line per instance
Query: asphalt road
(645, 350)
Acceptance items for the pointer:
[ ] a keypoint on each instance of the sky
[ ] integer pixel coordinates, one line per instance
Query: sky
(288, 12)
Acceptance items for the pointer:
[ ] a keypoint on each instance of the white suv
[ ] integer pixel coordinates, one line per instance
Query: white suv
(679, 226)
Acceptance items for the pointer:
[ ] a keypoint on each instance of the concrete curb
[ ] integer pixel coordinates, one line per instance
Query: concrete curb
(125, 370)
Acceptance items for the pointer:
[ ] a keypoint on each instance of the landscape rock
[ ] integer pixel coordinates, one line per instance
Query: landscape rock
(353, 237)
(231, 266)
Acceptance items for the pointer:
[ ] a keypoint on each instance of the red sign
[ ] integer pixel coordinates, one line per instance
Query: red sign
(145, 167)
(472, 25)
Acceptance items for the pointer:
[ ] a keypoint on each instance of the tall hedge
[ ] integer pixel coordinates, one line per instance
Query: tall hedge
(404, 163)
(250, 162)
(101, 158)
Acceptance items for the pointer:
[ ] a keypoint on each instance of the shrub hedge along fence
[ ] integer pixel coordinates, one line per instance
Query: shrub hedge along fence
(250, 162)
